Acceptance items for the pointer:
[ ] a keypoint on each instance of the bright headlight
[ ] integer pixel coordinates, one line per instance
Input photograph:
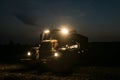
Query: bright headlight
(56, 54)
(29, 54)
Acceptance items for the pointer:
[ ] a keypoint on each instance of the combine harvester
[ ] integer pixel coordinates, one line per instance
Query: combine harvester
(59, 50)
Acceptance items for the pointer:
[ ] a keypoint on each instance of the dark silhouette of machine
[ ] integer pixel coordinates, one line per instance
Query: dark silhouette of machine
(59, 49)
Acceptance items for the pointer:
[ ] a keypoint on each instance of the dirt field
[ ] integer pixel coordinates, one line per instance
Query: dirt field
(18, 72)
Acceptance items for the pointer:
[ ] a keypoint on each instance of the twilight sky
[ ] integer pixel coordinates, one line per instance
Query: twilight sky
(23, 20)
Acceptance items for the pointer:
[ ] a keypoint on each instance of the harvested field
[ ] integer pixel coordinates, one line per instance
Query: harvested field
(18, 72)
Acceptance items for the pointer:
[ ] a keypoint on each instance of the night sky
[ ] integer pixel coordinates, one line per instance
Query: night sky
(22, 20)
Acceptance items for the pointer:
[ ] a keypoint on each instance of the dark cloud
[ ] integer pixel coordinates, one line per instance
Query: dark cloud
(26, 19)
(89, 17)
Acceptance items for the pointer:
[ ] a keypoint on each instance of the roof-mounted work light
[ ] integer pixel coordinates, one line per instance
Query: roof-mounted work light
(64, 31)
(47, 31)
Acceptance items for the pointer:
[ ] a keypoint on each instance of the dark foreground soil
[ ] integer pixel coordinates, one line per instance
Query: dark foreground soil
(16, 72)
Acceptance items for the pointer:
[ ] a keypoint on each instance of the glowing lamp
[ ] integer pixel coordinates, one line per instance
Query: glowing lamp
(64, 31)
(47, 31)
(56, 54)
(29, 54)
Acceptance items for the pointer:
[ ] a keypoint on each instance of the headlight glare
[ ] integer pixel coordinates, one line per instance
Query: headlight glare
(29, 53)
(56, 54)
